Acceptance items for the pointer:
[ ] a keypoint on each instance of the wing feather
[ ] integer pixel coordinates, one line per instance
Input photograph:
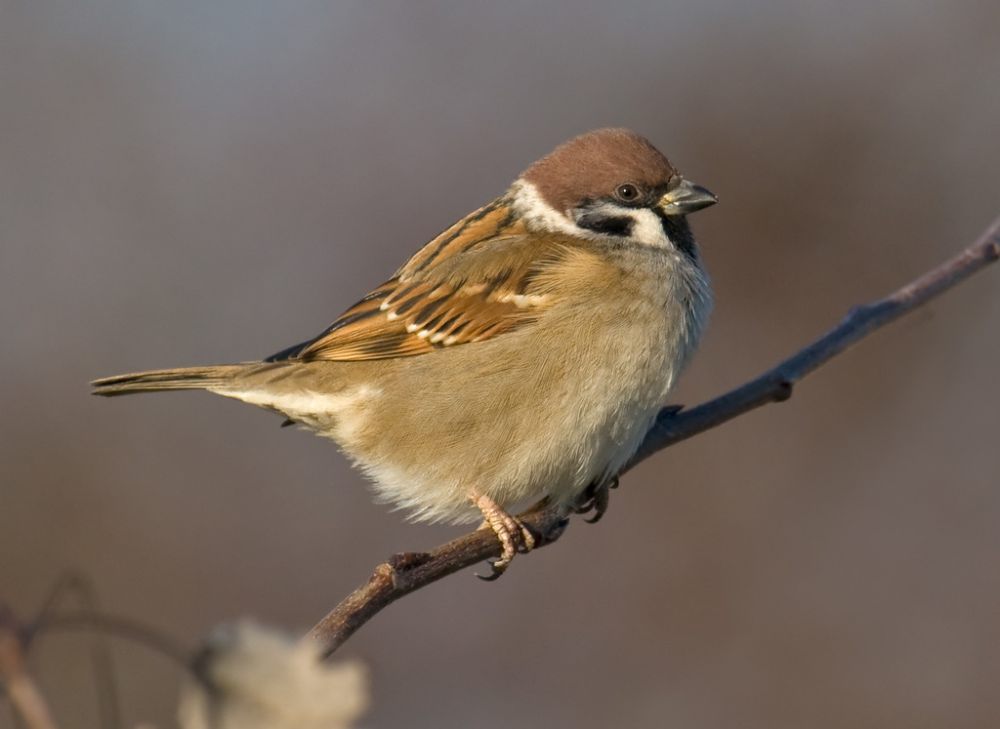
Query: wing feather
(482, 277)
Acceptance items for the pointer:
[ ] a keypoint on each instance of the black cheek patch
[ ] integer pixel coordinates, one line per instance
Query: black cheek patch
(608, 225)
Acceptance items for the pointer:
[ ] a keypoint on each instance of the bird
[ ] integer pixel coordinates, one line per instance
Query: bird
(520, 355)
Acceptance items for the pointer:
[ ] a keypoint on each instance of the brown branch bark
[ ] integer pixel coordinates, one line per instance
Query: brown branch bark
(15, 680)
(404, 573)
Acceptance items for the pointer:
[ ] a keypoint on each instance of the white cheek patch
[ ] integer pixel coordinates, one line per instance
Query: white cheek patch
(648, 228)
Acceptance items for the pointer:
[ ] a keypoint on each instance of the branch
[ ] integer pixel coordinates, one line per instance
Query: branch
(404, 573)
(18, 637)
(25, 697)
(69, 585)
(131, 630)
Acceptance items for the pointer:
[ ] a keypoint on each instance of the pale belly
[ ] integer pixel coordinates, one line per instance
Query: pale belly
(521, 428)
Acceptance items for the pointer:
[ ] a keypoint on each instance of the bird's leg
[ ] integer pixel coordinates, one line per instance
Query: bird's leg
(596, 498)
(513, 536)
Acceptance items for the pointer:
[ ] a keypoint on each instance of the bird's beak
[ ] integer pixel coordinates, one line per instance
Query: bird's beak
(685, 197)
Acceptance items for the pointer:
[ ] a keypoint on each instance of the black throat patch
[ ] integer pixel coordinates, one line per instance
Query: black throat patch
(678, 231)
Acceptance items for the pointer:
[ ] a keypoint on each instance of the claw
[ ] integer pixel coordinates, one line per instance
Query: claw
(492, 576)
(512, 534)
(596, 499)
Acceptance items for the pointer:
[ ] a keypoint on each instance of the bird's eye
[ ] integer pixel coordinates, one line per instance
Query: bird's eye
(627, 192)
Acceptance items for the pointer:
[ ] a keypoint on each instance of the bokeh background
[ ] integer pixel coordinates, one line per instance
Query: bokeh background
(194, 182)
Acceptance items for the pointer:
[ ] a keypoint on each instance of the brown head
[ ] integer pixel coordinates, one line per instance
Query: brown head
(610, 182)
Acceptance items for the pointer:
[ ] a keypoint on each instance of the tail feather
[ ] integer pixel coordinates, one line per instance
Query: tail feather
(184, 378)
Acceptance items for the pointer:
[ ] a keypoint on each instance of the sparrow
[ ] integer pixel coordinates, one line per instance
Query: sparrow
(522, 354)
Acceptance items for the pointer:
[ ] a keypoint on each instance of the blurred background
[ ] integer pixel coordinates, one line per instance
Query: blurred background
(193, 182)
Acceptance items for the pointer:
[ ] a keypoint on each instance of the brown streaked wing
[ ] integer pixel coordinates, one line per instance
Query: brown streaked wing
(475, 281)
(490, 221)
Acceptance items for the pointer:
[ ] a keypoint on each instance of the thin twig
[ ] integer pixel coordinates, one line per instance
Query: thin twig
(77, 585)
(407, 572)
(125, 628)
